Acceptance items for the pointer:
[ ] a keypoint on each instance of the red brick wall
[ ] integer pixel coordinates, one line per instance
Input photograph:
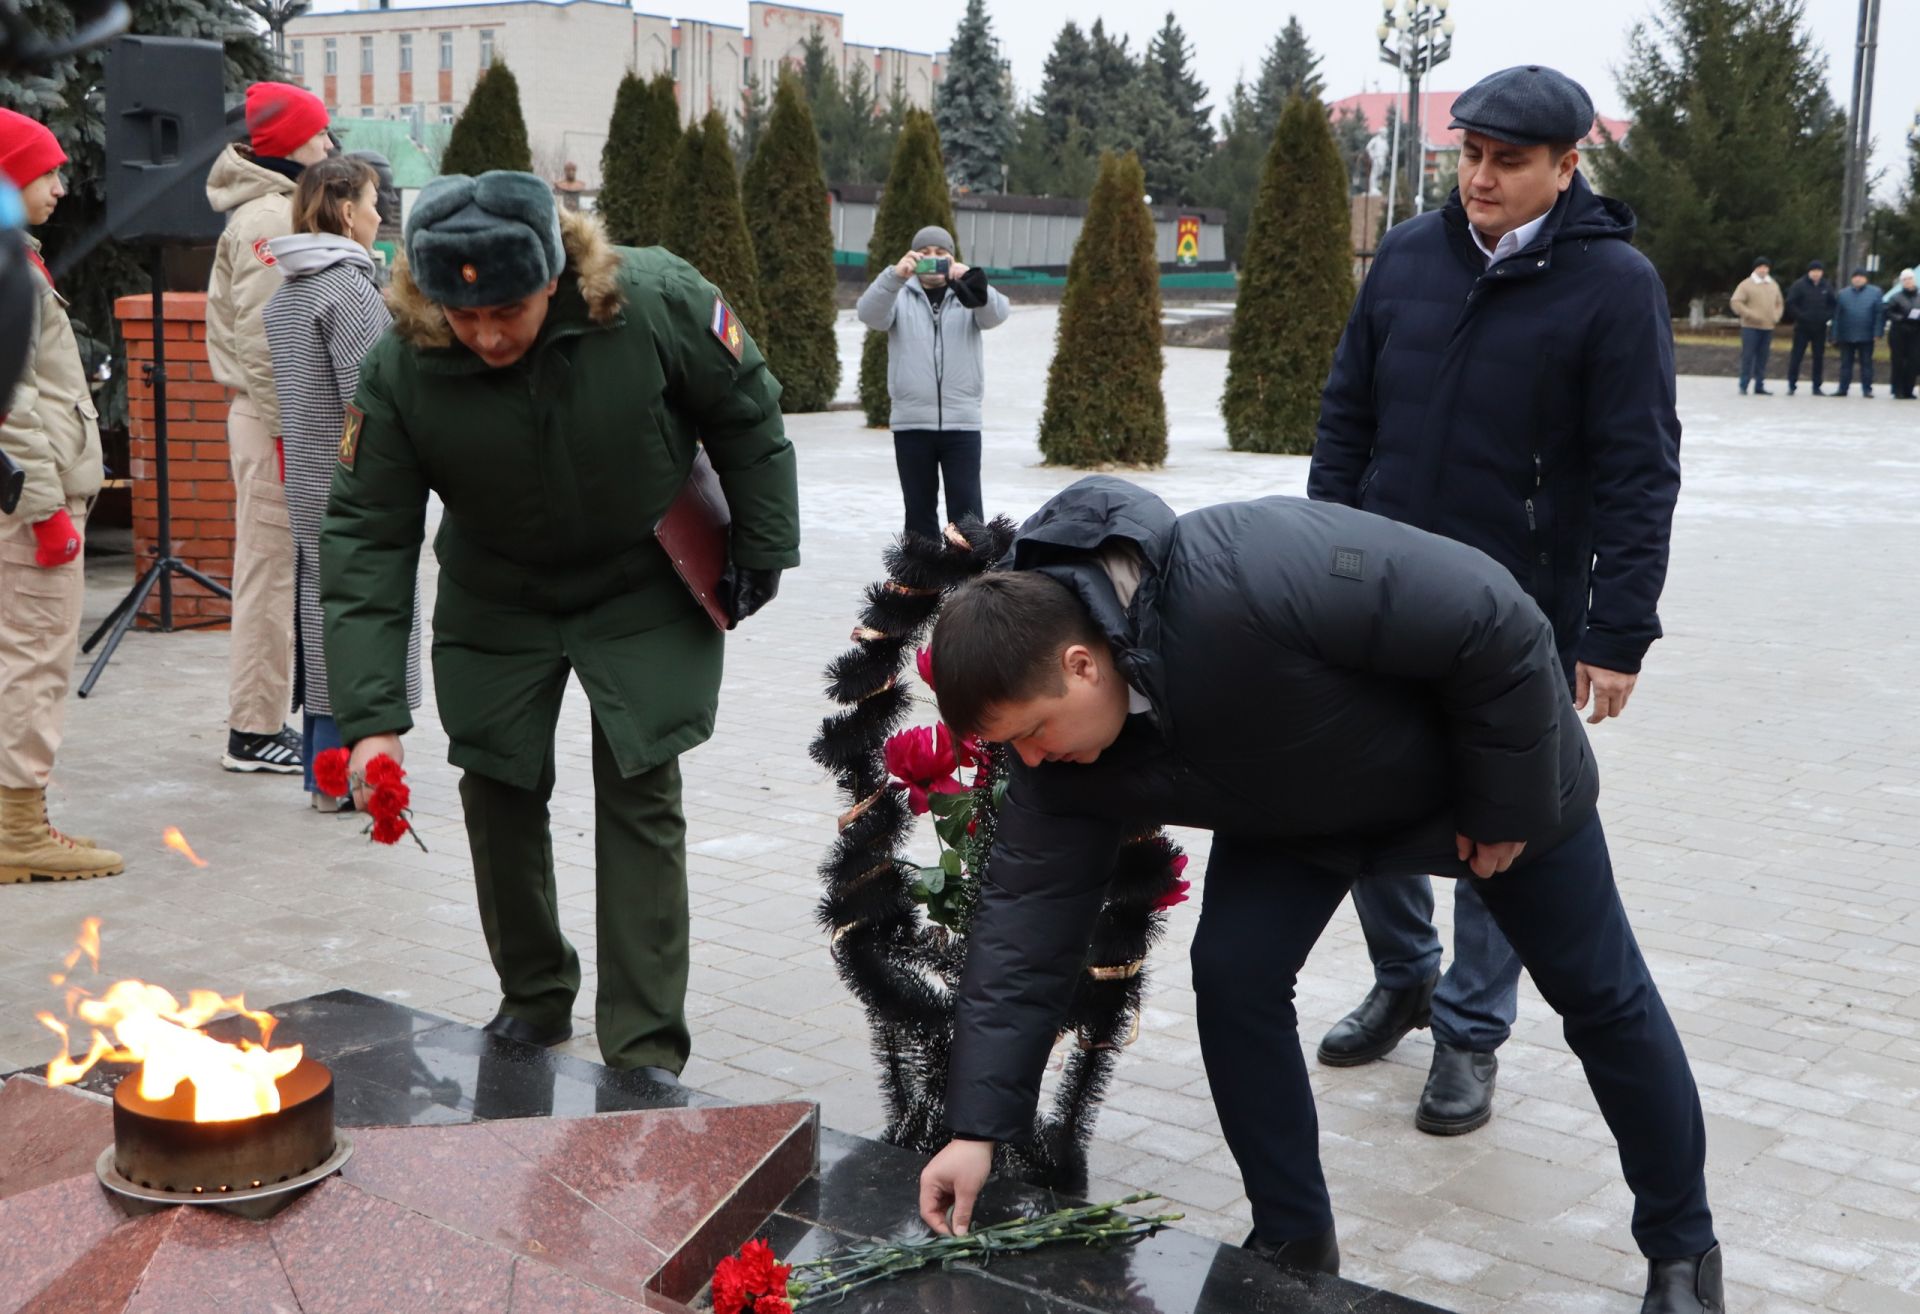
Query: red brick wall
(199, 474)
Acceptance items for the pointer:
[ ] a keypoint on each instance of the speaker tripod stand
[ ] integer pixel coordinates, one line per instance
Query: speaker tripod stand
(165, 565)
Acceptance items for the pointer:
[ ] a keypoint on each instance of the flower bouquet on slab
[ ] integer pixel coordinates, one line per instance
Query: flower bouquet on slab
(751, 1282)
(389, 801)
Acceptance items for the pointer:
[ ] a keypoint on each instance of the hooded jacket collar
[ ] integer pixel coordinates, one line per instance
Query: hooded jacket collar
(1579, 215)
(299, 254)
(237, 178)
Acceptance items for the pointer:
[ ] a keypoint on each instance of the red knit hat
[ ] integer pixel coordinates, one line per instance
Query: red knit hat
(282, 117)
(27, 149)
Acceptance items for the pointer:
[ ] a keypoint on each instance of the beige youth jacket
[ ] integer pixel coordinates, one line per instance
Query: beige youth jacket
(1759, 305)
(258, 204)
(52, 430)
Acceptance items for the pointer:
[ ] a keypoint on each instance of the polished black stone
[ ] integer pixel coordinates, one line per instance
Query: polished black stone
(397, 1066)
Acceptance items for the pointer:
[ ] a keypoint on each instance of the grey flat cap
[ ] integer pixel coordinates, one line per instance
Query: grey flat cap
(1527, 105)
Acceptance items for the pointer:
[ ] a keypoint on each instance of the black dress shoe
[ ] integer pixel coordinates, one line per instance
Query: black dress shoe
(1762, 392)
(1459, 1093)
(508, 1027)
(1307, 1254)
(661, 1076)
(1373, 1029)
(1685, 1286)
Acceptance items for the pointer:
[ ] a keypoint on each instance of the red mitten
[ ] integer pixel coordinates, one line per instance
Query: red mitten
(59, 540)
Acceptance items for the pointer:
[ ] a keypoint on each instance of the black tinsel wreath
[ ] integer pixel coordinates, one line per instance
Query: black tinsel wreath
(902, 966)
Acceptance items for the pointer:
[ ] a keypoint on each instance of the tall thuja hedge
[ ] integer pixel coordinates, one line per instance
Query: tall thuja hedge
(1104, 405)
(786, 200)
(709, 228)
(915, 195)
(490, 132)
(1296, 287)
(636, 165)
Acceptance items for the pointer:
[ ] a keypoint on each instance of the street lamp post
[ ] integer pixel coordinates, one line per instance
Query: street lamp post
(1853, 203)
(1414, 36)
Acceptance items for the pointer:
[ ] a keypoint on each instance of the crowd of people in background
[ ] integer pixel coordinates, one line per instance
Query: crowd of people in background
(1854, 317)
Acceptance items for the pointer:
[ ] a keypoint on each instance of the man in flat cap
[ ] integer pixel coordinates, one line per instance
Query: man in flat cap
(1506, 379)
(1810, 305)
(552, 389)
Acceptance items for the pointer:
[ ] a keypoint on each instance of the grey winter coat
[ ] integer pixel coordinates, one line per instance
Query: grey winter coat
(1344, 689)
(936, 373)
(321, 321)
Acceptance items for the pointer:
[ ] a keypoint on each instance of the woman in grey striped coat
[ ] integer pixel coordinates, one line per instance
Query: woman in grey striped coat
(320, 323)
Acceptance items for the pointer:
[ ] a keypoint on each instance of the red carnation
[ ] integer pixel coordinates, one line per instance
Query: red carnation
(383, 770)
(1176, 891)
(924, 660)
(389, 829)
(922, 762)
(389, 800)
(330, 773)
(750, 1282)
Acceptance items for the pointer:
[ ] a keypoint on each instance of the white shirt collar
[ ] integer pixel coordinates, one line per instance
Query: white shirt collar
(1509, 243)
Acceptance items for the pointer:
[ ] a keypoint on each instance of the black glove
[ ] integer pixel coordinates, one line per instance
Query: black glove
(746, 590)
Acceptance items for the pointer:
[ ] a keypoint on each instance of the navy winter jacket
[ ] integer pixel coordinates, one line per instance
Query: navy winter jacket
(1859, 314)
(1524, 407)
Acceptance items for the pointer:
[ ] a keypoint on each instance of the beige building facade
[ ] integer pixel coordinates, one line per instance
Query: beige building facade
(418, 64)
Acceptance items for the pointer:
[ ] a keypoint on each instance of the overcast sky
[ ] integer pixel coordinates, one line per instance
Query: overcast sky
(1584, 38)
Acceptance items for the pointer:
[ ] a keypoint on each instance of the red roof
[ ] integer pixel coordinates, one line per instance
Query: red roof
(1436, 112)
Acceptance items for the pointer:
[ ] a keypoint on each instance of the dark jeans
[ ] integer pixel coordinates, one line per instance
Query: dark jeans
(1849, 353)
(1476, 1001)
(1260, 916)
(926, 456)
(1804, 336)
(317, 735)
(1754, 346)
(1903, 341)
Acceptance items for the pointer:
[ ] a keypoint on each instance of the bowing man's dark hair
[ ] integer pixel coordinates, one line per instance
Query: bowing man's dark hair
(998, 641)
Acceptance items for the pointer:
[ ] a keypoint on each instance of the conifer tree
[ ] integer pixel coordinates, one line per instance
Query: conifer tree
(1289, 68)
(1296, 289)
(1104, 405)
(755, 106)
(1068, 85)
(1173, 170)
(637, 164)
(786, 203)
(915, 195)
(708, 228)
(490, 132)
(974, 109)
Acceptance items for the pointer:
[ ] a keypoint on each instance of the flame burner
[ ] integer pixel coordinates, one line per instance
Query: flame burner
(161, 1156)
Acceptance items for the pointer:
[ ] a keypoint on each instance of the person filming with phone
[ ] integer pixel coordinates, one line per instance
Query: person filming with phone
(933, 309)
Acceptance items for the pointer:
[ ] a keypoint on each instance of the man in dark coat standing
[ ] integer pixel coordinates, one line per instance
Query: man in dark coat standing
(1506, 379)
(1810, 303)
(1336, 697)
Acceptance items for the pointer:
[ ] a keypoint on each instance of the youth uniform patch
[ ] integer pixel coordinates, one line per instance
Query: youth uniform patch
(726, 327)
(263, 252)
(350, 435)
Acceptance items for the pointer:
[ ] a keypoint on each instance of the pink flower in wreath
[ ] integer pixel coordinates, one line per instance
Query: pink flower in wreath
(924, 661)
(922, 762)
(1176, 892)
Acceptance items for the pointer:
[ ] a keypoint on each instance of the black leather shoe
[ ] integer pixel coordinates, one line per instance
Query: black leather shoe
(1373, 1029)
(1307, 1254)
(1459, 1093)
(508, 1027)
(1685, 1286)
(1762, 392)
(661, 1077)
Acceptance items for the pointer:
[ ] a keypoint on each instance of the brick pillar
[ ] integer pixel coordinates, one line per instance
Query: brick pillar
(199, 474)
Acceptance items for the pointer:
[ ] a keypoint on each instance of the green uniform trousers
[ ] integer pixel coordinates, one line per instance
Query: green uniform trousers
(640, 861)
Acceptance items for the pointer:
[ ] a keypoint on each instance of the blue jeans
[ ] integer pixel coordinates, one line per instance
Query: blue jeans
(1259, 918)
(1478, 998)
(317, 735)
(1754, 346)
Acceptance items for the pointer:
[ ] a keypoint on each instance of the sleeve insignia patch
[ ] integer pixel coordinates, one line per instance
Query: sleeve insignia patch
(263, 252)
(1349, 563)
(726, 327)
(350, 435)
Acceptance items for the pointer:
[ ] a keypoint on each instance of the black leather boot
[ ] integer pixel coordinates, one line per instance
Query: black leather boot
(1373, 1029)
(1307, 1254)
(1459, 1092)
(1685, 1286)
(508, 1027)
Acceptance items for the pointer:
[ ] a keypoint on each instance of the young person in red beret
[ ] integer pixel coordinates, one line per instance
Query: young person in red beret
(49, 429)
(252, 184)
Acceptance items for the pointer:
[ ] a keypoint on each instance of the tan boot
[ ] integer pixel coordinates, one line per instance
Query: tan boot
(31, 849)
(84, 841)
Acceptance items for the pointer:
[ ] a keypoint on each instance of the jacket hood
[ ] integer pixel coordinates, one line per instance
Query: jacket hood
(308, 253)
(237, 179)
(593, 264)
(1581, 214)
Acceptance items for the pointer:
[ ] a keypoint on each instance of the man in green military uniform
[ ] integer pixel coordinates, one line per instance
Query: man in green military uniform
(553, 389)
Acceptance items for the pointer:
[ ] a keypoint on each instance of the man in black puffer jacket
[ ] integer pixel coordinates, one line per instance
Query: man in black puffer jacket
(1506, 379)
(1336, 697)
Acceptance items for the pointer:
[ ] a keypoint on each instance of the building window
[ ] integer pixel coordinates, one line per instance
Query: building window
(486, 47)
(411, 115)
(366, 57)
(331, 62)
(406, 52)
(299, 59)
(446, 114)
(446, 52)
(366, 111)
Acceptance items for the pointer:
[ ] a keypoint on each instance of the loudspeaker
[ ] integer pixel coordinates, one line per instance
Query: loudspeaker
(166, 124)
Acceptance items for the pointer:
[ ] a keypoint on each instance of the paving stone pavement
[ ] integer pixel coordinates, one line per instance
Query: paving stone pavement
(1761, 796)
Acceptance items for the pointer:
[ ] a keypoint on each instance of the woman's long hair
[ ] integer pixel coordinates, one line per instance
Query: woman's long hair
(320, 199)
